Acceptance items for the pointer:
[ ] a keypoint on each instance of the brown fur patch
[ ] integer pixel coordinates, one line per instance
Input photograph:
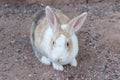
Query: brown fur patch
(34, 22)
(70, 45)
(41, 28)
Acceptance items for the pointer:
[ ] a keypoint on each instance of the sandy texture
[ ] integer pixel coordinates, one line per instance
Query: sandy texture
(99, 40)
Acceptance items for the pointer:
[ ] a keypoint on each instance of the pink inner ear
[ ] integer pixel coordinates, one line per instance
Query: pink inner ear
(76, 25)
(51, 19)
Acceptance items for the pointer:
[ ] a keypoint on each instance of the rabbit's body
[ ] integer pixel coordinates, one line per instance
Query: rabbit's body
(52, 39)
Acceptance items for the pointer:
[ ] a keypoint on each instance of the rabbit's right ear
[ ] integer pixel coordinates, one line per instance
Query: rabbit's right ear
(51, 18)
(76, 23)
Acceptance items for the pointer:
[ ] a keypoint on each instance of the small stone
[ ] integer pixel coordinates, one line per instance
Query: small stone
(30, 75)
(25, 57)
(13, 35)
(1, 51)
(13, 41)
(42, 5)
(16, 11)
(24, 36)
(50, 79)
(24, 11)
(20, 14)
(70, 5)
(18, 50)
(6, 5)
(90, 68)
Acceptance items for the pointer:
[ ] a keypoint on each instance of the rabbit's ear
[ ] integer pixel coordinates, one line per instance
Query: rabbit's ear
(76, 23)
(51, 18)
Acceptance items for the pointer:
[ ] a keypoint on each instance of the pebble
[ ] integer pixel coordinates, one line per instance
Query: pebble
(1, 51)
(30, 75)
(6, 5)
(18, 50)
(13, 41)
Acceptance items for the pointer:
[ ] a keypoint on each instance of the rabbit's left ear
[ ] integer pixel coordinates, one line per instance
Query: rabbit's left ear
(51, 18)
(76, 23)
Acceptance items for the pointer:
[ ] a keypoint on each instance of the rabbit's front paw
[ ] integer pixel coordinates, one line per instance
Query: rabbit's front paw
(57, 66)
(45, 60)
(74, 63)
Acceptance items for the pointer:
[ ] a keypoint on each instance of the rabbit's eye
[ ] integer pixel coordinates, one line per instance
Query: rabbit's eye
(53, 42)
(67, 44)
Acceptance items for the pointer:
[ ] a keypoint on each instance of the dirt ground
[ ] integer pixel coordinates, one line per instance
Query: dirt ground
(99, 40)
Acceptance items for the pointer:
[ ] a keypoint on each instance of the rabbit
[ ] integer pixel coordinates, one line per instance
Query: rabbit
(53, 37)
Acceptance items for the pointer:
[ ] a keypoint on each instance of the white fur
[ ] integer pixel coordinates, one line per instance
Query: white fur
(57, 66)
(74, 63)
(59, 50)
(45, 60)
(64, 26)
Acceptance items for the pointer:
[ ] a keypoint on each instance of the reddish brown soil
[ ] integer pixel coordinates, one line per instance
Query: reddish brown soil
(99, 40)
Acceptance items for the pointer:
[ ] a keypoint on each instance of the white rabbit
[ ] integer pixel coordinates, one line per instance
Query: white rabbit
(53, 37)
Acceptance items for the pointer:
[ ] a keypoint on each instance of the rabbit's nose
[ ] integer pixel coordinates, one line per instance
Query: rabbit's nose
(59, 60)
